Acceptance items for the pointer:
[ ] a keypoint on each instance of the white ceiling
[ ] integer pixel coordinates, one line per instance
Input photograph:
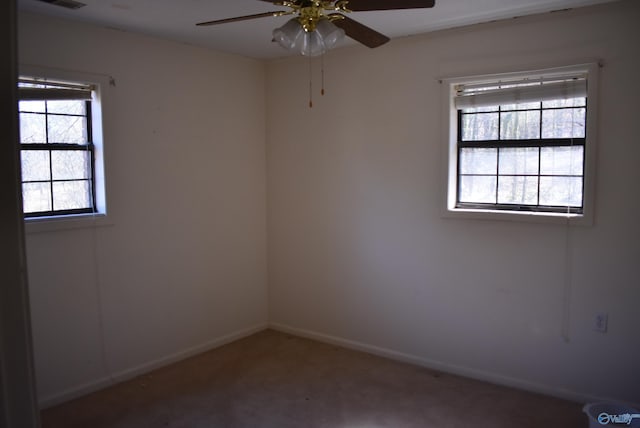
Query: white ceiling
(175, 19)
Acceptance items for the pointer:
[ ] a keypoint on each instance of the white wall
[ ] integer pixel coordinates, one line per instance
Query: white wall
(359, 253)
(183, 265)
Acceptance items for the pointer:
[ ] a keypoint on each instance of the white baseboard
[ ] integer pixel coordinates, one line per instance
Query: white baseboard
(441, 366)
(121, 376)
(87, 388)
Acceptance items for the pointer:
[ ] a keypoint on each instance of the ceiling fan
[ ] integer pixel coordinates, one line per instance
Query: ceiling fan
(319, 24)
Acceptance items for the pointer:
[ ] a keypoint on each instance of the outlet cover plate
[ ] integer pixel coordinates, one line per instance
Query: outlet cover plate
(600, 321)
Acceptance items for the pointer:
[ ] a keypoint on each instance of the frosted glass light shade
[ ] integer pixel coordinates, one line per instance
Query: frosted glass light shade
(293, 37)
(311, 44)
(288, 34)
(329, 33)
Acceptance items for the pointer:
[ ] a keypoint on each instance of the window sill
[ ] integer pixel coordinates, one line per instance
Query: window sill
(516, 216)
(69, 222)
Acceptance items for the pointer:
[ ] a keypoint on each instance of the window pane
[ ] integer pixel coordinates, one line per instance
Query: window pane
(35, 165)
(67, 129)
(482, 126)
(519, 125)
(478, 161)
(32, 128)
(562, 191)
(36, 197)
(66, 106)
(561, 160)
(480, 189)
(563, 123)
(518, 190)
(519, 161)
(33, 106)
(70, 195)
(571, 102)
(70, 164)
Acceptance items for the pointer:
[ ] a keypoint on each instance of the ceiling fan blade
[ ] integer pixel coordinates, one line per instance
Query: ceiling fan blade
(241, 18)
(360, 32)
(365, 5)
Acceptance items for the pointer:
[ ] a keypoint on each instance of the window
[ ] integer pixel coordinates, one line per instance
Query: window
(520, 143)
(57, 150)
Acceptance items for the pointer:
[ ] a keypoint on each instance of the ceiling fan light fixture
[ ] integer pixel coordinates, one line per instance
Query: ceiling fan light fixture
(294, 37)
(320, 24)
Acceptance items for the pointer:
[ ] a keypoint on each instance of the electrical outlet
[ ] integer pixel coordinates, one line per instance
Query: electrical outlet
(600, 322)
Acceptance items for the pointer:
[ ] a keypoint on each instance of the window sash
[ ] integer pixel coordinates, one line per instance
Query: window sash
(537, 207)
(88, 148)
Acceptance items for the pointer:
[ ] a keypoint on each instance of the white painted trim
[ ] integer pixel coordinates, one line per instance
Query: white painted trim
(106, 381)
(441, 366)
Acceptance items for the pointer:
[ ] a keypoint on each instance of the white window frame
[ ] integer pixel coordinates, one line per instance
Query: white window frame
(450, 152)
(99, 98)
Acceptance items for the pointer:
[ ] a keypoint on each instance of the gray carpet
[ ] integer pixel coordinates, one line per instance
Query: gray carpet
(273, 379)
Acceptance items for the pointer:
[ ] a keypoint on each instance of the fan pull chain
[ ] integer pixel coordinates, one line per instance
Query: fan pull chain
(322, 74)
(310, 84)
(311, 79)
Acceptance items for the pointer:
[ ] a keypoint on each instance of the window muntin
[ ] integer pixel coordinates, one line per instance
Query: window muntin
(526, 153)
(57, 152)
